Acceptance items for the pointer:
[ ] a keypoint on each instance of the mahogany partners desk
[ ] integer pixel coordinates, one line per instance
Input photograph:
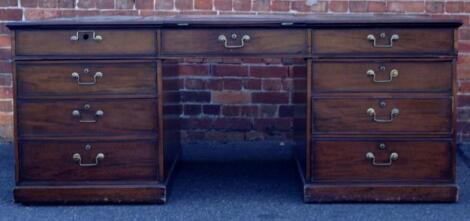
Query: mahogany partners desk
(89, 99)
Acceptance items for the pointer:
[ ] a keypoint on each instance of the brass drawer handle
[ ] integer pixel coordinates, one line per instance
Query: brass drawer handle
(86, 107)
(96, 76)
(393, 74)
(393, 156)
(393, 114)
(394, 37)
(234, 36)
(77, 158)
(85, 35)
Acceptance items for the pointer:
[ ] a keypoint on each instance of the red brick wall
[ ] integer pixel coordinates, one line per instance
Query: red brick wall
(253, 107)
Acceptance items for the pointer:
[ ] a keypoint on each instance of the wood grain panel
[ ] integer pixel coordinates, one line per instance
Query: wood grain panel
(417, 115)
(345, 161)
(54, 118)
(410, 42)
(58, 42)
(262, 41)
(123, 161)
(352, 76)
(54, 79)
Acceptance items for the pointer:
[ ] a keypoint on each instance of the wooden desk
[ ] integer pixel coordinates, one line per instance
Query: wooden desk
(90, 125)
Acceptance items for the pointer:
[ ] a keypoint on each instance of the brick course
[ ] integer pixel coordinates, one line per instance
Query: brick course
(231, 99)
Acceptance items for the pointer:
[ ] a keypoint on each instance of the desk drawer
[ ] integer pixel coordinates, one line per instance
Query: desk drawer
(88, 161)
(365, 76)
(382, 115)
(85, 42)
(236, 41)
(89, 78)
(87, 117)
(379, 161)
(376, 42)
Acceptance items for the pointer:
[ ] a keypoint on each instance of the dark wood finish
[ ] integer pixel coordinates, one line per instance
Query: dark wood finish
(413, 76)
(206, 42)
(53, 161)
(153, 193)
(137, 125)
(57, 42)
(328, 193)
(418, 161)
(412, 42)
(349, 115)
(121, 117)
(54, 79)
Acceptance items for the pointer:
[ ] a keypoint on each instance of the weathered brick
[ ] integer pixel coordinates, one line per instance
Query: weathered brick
(338, 6)
(215, 84)
(230, 97)
(69, 3)
(435, 7)
(270, 124)
(193, 69)
(5, 41)
(6, 92)
(195, 96)
(211, 109)
(261, 5)
(395, 6)
(6, 106)
(8, 3)
(228, 70)
(192, 109)
(280, 5)
(86, 4)
(194, 83)
(223, 4)
(270, 97)
(231, 111)
(268, 110)
(286, 111)
(233, 124)
(11, 14)
(358, 6)
(252, 84)
(224, 136)
(376, 6)
(272, 84)
(232, 84)
(124, 4)
(5, 80)
(203, 4)
(454, 6)
(29, 3)
(242, 5)
(144, 4)
(268, 71)
(105, 4)
(184, 4)
(249, 111)
(5, 53)
(174, 110)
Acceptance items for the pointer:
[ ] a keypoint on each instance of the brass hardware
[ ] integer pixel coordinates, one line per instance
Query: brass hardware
(393, 74)
(393, 156)
(393, 114)
(85, 35)
(382, 146)
(96, 76)
(234, 36)
(394, 37)
(86, 107)
(88, 147)
(77, 158)
(382, 104)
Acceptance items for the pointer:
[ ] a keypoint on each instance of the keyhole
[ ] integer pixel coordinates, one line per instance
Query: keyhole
(85, 37)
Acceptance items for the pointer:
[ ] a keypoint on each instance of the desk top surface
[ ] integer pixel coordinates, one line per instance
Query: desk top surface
(254, 21)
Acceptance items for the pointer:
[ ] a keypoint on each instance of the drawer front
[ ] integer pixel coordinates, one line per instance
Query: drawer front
(85, 79)
(92, 161)
(377, 161)
(85, 42)
(87, 117)
(362, 76)
(378, 41)
(387, 115)
(237, 41)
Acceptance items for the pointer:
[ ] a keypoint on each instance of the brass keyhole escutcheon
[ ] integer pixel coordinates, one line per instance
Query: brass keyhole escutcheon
(382, 35)
(88, 147)
(382, 104)
(382, 146)
(234, 36)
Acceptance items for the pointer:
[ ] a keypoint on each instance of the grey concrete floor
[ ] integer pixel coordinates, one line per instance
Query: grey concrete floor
(245, 186)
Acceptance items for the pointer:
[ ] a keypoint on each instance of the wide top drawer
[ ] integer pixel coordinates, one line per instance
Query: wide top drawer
(377, 42)
(233, 41)
(84, 42)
